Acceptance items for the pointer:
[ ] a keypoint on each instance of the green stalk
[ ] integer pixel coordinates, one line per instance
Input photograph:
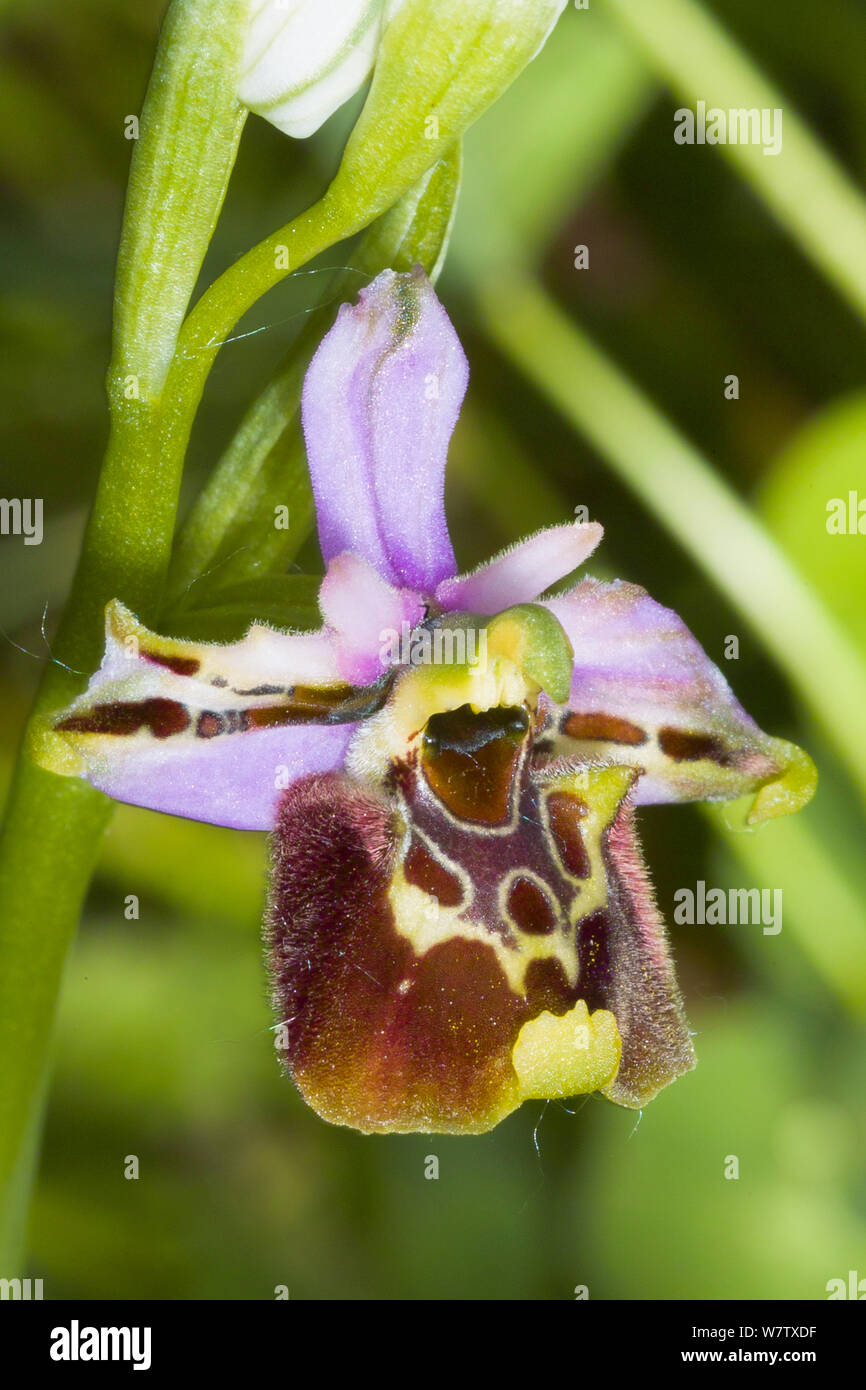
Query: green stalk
(48, 851)
(190, 128)
(804, 188)
(684, 492)
(188, 138)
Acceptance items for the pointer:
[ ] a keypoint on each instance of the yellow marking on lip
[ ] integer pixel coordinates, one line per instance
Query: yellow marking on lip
(422, 691)
(555, 1057)
(426, 923)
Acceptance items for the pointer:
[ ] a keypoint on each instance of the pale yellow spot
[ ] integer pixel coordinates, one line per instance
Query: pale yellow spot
(55, 752)
(788, 792)
(566, 1056)
(602, 788)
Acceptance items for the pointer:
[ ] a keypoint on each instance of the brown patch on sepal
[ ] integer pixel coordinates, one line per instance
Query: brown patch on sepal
(162, 718)
(685, 747)
(607, 728)
(180, 665)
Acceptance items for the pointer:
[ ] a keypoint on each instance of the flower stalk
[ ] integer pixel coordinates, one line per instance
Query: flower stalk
(264, 466)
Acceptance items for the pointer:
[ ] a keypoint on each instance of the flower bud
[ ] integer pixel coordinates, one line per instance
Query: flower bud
(303, 58)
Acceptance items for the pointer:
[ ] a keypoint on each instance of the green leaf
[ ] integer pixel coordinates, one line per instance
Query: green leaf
(286, 601)
(417, 229)
(803, 186)
(561, 126)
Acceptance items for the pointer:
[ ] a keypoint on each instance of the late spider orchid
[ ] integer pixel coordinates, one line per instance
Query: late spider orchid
(460, 918)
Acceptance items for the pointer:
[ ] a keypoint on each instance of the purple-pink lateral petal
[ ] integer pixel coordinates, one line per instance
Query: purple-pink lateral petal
(521, 573)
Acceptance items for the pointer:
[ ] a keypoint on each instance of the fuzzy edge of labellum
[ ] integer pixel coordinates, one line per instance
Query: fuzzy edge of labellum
(338, 842)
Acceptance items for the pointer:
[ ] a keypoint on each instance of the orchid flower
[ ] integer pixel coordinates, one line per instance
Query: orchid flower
(459, 915)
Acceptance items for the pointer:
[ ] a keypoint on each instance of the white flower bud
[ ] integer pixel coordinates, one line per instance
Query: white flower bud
(304, 58)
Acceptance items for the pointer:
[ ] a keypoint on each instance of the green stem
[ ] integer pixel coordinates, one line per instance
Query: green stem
(48, 851)
(684, 492)
(803, 186)
(226, 301)
(188, 139)
(190, 127)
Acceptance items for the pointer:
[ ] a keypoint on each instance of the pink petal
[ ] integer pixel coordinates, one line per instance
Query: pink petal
(364, 611)
(236, 781)
(523, 572)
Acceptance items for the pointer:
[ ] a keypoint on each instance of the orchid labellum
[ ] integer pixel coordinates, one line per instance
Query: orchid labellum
(459, 918)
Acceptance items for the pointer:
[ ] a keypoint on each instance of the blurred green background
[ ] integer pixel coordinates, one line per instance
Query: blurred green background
(163, 1048)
